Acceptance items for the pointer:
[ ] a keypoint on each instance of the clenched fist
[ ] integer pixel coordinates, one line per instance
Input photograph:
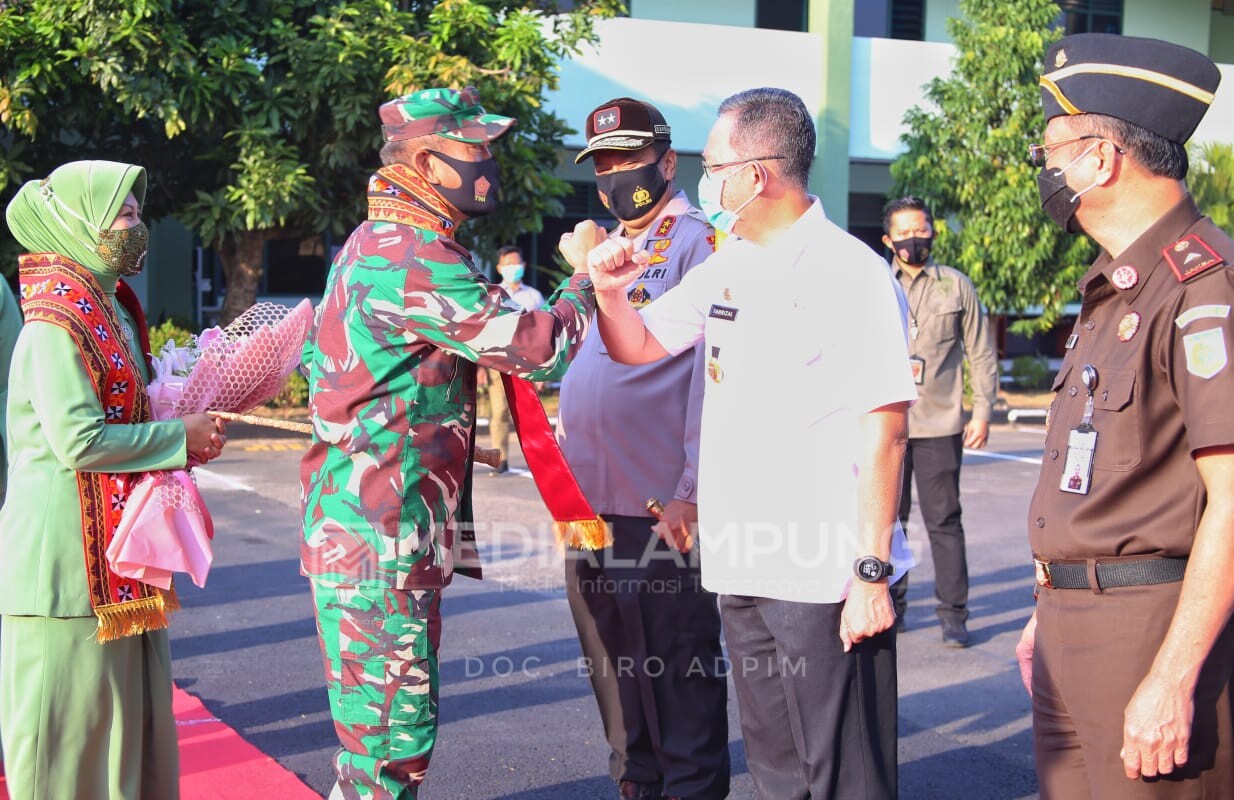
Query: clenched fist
(575, 246)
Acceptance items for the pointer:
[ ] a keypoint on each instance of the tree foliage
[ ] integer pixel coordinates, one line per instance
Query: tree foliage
(967, 156)
(257, 118)
(1211, 179)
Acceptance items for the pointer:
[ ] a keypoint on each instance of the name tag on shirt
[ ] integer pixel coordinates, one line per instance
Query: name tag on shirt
(723, 312)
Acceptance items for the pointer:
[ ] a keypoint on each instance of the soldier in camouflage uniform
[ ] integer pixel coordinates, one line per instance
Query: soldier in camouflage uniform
(392, 391)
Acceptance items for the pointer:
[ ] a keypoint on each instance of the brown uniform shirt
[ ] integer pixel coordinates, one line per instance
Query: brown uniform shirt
(1161, 348)
(950, 324)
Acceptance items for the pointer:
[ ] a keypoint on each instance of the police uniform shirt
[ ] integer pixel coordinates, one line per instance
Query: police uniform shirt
(630, 433)
(802, 337)
(1155, 322)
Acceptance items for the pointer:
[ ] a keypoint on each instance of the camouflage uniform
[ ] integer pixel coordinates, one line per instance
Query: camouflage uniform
(386, 482)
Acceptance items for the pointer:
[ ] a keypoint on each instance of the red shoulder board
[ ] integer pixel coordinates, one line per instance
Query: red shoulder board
(666, 225)
(1190, 256)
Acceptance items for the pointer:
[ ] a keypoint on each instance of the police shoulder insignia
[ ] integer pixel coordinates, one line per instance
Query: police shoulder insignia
(1190, 256)
(666, 226)
(1060, 59)
(1206, 352)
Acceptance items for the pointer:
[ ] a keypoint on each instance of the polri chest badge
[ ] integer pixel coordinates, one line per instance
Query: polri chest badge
(1128, 326)
(728, 295)
(1125, 277)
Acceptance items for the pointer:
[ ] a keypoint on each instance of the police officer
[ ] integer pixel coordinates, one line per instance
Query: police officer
(649, 632)
(1130, 652)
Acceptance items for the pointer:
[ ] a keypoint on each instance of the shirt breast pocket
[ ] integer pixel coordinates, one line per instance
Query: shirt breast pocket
(948, 320)
(1116, 418)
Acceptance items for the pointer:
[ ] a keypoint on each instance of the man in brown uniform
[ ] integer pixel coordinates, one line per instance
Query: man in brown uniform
(1130, 652)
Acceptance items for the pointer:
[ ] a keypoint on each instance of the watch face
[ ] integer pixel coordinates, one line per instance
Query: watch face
(871, 569)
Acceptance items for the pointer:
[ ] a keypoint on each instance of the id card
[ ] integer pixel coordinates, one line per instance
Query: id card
(1078, 471)
(917, 363)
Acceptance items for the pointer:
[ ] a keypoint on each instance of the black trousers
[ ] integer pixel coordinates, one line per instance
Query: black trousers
(818, 723)
(936, 464)
(650, 635)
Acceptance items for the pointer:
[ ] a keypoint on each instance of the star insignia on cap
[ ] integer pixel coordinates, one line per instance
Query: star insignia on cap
(1060, 59)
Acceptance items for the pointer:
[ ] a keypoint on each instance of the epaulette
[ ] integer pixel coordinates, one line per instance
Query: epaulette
(665, 228)
(1190, 256)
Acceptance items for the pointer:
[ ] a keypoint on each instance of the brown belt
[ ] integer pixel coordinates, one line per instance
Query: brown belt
(1110, 574)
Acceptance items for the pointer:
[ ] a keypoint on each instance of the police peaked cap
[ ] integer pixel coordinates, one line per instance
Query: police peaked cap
(1162, 87)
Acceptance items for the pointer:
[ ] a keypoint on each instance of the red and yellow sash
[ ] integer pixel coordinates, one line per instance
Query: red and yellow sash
(62, 292)
(397, 193)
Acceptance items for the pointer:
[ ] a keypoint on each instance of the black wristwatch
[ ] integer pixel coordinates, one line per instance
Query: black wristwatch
(871, 569)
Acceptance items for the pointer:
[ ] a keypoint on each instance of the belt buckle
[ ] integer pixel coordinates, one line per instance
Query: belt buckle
(1043, 573)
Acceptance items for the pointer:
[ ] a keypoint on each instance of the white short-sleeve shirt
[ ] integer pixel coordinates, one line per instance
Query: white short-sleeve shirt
(803, 336)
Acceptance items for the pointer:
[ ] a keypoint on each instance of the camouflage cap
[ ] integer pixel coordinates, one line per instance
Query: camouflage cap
(446, 112)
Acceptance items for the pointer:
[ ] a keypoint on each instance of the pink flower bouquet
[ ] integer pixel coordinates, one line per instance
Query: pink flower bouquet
(165, 526)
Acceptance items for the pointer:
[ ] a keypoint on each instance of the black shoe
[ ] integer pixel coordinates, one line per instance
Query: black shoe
(629, 790)
(500, 469)
(955, 634)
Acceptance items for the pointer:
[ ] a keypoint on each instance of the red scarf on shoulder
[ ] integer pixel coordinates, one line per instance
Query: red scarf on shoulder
(60, 291)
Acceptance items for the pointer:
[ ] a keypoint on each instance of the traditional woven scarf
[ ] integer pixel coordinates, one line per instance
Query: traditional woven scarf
(397, 193)
(57, 290)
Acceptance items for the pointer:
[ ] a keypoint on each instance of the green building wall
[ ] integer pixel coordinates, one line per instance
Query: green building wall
(169, 273)
(1184, 22)
(833, 21)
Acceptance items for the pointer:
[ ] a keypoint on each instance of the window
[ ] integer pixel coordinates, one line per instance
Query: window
(296, 266)
(1091, 16)
(907, 20)
(780, 15)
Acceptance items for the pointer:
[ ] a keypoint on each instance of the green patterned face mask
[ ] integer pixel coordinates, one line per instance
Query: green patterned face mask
(124, 250)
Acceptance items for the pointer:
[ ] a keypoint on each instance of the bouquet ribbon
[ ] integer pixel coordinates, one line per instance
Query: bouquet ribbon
(576, 525)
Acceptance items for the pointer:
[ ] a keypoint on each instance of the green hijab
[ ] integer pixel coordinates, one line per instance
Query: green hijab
(65, 212)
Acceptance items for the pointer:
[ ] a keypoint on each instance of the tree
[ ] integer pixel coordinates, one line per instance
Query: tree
(967, 157)
(1212, 182)
(257, 118)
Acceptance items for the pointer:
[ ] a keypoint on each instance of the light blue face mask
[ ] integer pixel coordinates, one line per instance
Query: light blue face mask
(512, 273)
(710, 190)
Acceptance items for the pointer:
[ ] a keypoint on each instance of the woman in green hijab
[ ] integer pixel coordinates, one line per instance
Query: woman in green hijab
(85, 668)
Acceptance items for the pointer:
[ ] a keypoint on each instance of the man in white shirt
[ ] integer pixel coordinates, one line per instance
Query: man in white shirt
(803, 435)
(511, 268)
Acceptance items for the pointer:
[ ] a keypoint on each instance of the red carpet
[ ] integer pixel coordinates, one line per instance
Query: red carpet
(216, 764)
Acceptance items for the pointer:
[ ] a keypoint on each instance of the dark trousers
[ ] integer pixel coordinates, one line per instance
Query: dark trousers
(818, 723)
(936, 463)
(650, 635)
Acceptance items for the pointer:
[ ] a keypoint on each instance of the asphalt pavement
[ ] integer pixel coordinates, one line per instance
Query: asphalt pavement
(518, 720)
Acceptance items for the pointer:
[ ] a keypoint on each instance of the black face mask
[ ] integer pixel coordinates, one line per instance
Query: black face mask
(1058, 199)
(914, 250)
(631, 194)
(477, 195)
